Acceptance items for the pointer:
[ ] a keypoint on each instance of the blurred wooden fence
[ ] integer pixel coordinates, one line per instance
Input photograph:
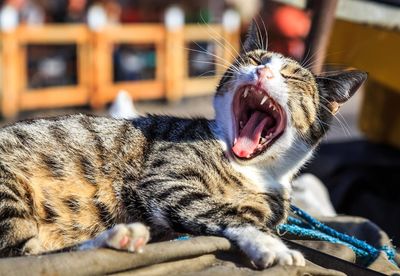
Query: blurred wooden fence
(95, 85)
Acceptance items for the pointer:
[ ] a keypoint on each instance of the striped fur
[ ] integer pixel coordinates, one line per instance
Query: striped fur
(65, 180)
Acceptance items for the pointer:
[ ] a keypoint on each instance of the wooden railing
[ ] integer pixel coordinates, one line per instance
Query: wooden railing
(224, 52)
(95, 85)
(15, 93)
(105, 89)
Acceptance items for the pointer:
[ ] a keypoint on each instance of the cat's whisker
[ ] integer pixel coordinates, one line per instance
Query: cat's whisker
(265, 31)
(305, 58)
(307, 63)
(228, 66)
(310, 63)
(213, 72)
(334, 116)
(344, 122)
(215, 38)
(216, 34)
(211, 54)
(259, 41)
(225, 63)
(211, 63)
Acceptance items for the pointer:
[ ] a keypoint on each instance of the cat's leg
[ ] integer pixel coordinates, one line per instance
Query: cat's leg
(18, 228)
(263, 248)
(200, 213)
(129, 237)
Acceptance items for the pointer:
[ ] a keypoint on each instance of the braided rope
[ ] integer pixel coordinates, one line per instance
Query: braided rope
(307, 226)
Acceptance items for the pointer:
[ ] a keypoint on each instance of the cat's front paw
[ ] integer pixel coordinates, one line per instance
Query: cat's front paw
(264, 249)
(130, 237)
(269, 257)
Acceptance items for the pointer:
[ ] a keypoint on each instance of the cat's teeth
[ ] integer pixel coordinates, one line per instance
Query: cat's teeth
(263, 140)
(246, 92)
(241, 124)
(273, 108)
(270, 105)
(264, 100)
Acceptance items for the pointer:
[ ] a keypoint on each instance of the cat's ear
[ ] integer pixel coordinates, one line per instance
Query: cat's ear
(337, 89)
(254, 39)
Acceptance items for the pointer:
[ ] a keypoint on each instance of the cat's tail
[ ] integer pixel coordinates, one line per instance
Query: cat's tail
(123, 107)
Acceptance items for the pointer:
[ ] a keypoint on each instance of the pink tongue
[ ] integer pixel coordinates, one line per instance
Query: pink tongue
(250, 135)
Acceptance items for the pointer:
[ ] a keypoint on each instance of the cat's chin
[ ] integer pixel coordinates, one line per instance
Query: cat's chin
(258, 122)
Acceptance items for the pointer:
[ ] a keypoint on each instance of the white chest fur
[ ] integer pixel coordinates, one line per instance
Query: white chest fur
(262, 179)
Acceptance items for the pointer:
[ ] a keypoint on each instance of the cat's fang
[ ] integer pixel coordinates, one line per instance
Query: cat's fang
(264, 99)
(246, 92)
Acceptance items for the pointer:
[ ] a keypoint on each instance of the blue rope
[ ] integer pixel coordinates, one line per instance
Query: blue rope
(182, 238)
(307, 226)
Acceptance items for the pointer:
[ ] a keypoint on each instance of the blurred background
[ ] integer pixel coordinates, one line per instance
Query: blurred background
(69, 56)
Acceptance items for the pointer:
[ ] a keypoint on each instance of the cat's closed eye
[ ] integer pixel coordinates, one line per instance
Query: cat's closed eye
(259, 59)
(266, 59)
(255, 60)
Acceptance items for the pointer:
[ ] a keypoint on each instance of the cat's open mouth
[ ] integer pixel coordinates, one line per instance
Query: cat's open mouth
(259, 121)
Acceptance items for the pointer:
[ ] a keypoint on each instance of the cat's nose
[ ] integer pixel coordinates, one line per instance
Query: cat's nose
(264, 72)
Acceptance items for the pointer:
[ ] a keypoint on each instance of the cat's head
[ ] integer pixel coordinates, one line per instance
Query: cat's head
(269, 107)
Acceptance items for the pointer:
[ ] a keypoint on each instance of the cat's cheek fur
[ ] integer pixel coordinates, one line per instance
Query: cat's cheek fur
(224, 117)
(262, 248)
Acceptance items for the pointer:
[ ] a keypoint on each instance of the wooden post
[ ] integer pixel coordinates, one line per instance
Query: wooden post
(83, 67)
(175, 57)
(101, 62)
(317, 41)
(51, 96)
(10, 67)
(231, 33)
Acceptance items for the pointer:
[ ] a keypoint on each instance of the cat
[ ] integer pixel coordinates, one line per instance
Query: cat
(89, 182)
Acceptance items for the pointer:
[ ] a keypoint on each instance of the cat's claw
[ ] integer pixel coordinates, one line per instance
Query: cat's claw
(284, 257)
(129, 237)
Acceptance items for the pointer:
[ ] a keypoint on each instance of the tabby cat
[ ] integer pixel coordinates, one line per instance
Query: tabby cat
(90, 182)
